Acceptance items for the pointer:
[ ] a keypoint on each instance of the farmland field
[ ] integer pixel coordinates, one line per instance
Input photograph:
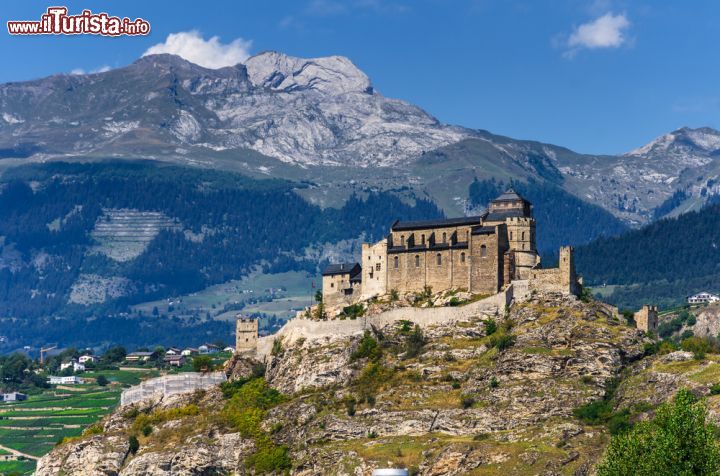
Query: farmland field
(34, 426)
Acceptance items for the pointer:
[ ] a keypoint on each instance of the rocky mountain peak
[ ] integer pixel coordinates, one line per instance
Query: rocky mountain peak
(329, 75)
(703, 139)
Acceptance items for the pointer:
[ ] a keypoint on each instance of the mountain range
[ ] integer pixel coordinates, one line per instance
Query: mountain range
(163, 178)
(322, 119)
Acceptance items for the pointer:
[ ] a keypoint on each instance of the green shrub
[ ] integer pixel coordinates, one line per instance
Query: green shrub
(415, 342)
(394, 295)
(101, 380)
(494, 382)
(146, 430)
(247, 407)
(490, 327)
(454, 301)
(133, 444)
(277, 347)
(350, 406)
(354, 311)
(467, 401)
(270, 458)
(502, 341)
(680, 440)
(456, 385)
(368, 348)
(699, 346)
(202, 363)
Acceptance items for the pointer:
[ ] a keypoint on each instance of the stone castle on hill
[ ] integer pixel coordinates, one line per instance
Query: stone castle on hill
(479, 254)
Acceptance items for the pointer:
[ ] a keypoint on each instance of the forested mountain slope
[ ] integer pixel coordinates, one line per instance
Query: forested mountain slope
(662, 262)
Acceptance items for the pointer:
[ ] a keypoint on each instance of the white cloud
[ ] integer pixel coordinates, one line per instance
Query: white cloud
(208, 53)
(607, 31)
(101, 69)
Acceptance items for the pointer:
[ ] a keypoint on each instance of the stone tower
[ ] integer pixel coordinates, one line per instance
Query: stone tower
(516, 213)
(646, 319)
(568, 277)
(246, 334)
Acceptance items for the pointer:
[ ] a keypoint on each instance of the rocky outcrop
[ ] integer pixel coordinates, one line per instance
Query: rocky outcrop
(447, 399)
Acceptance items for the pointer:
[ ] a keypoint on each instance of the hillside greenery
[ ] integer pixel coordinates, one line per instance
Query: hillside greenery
(244, 223)
(662, 263)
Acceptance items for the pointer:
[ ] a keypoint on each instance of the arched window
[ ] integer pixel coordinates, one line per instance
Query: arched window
(439, 259)
(467, 235)
(483, 251)
(423, 239)
(523, 236)
(511, 236)
(444, 237)
(396, 262)
(417, 261)
(402, 240)
(523, 246)
(462, 257)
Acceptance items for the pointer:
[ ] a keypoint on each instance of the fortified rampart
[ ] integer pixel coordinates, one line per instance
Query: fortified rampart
(171, 385)
(332, 329)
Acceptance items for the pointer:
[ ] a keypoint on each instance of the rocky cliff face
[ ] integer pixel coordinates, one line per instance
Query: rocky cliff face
(444, 400)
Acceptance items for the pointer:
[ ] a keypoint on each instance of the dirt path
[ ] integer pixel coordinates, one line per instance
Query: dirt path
(18, 453)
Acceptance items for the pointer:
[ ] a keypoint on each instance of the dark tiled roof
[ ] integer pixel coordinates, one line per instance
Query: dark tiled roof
(342, 268)
(510, 196)
(423, 224)
(483, 230)
(504, 214)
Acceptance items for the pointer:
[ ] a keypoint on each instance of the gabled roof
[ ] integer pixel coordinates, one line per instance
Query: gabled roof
(342, 268)
(440, 223)
(510, 195)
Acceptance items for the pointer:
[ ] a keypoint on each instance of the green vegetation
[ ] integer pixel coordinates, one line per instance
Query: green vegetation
(368, 348)
(242, 211)
(670, 327)
(353, 312)
(48, 416)
(245, 410)
(657, 263)
(600, 412)
(202, 363)
(679, 440)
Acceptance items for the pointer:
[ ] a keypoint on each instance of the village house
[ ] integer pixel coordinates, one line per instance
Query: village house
(12, 397)
(74, 365)
(84, 359)
(479, 254)
(175, 360)
(703, 298)
(188, 352)
(138, 356)
(69, 380)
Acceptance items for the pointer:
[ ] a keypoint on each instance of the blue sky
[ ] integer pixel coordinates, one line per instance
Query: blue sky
(600, 76)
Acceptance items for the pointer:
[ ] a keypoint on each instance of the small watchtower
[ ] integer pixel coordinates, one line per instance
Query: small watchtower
(246, 334)
(646, 319)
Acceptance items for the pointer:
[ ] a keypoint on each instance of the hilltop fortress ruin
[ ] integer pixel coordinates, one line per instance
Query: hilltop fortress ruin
(479, 254)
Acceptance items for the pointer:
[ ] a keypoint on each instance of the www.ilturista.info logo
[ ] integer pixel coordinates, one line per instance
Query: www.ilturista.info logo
(57, 22)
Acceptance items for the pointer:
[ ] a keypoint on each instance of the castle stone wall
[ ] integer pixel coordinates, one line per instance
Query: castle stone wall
(486, 272)
(335, 329)
(374, 269)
